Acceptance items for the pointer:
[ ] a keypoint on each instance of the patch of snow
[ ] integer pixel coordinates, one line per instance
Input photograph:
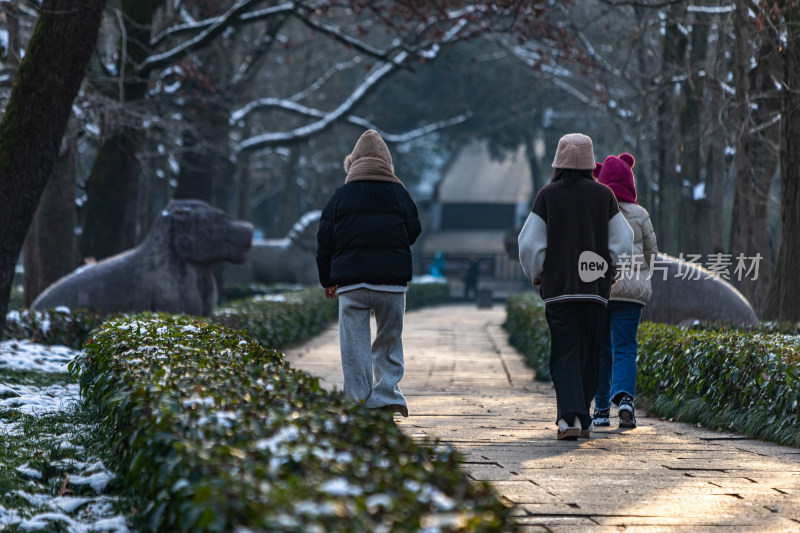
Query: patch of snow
(275, 443)
(97, 481)
(427, 278)
(172, 88)
(39, 400)
(25, 355)
(8, 517)
(379, 500)
(270, 298)
(197, 400)
(25, 470)
(715, 10)
(699, 191)
(310, 508)
(340, 487)
(67, 504)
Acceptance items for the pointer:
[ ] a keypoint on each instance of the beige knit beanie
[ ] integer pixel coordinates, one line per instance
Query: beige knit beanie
(370, 160)
(574, 152)
(369, 145)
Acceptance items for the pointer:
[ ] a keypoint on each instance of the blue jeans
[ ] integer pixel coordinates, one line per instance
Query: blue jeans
(618, 350)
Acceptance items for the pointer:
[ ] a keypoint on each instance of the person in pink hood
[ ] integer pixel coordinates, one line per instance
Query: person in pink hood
(618, 347)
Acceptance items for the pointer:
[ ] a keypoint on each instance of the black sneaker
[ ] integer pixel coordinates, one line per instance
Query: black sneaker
(601, 418)
(627, 418)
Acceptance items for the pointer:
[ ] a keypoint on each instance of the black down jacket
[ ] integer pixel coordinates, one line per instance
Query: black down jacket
(365, 235)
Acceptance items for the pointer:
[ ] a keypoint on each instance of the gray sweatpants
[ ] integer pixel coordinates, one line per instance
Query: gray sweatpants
(372, 370)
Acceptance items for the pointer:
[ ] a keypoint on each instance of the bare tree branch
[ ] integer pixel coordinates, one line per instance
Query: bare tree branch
(288, 105)
(278, 138)
(640, 3)
(202, 25)
(413, 134)
(319, 82)
(238, 13)
(336, 34)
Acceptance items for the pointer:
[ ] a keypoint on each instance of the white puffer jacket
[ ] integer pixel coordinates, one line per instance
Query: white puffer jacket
(634, 283)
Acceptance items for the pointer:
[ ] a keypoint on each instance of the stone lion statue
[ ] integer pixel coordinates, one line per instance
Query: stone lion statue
(288, 260)
(170, 271)
(682, 292)
(691, 293)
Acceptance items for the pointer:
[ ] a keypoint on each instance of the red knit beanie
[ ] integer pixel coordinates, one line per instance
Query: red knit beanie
(616, 173)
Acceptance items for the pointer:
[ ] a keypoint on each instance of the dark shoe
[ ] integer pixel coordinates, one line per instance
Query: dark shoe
(396, 408)
(627, 417)
(567, 432)
(602, 418)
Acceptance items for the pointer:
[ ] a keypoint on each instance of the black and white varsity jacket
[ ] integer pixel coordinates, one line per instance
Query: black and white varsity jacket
(571, 242)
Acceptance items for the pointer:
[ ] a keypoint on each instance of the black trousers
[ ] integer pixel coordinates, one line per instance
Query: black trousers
(575, 329)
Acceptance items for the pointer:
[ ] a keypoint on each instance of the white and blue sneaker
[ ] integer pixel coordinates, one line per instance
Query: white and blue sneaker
(602, 418)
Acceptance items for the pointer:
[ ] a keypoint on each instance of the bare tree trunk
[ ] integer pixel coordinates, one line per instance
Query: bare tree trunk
(783, 300)
(110, 210)
(50, 248)
(695, 212)
(244, 210)
(108, 215)
(745, 173)
(205, 169)
(715, 189)
(36, 116)
(754, 172)
(669, 178)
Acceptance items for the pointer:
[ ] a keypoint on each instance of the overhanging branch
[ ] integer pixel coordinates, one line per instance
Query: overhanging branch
(288, 105)
(278, 138)
(202, 25)
(212, 28)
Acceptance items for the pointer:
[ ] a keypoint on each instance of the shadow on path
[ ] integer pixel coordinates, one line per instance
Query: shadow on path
(466, 386)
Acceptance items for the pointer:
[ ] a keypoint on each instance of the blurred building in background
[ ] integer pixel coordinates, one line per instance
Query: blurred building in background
(478, 201)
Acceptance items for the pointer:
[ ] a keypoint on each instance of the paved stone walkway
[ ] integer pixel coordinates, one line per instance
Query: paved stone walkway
(467, 386)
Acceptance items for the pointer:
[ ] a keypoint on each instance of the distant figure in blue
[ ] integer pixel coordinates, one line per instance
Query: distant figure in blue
(437, 267)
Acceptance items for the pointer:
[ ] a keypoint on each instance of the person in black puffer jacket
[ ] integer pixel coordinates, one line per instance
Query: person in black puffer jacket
(364, 256)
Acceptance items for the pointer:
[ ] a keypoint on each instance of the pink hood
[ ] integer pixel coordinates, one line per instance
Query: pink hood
(616, 173)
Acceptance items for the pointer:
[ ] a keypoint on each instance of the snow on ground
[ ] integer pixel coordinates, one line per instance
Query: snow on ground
(42, 510)
(32, 400)
(25, 355)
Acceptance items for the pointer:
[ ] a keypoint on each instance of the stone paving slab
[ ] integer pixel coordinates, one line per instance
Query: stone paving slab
(466, 386)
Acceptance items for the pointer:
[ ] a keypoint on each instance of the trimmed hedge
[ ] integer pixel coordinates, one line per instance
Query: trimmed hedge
(427, 292)
(728, 378)
(528, 332)
(280, 320)
(231, 292)
(276, 320)
(422, 292)
(217, 433)
(58, 326)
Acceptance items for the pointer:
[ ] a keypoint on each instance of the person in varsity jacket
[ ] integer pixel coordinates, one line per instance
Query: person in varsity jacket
(570, 247)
